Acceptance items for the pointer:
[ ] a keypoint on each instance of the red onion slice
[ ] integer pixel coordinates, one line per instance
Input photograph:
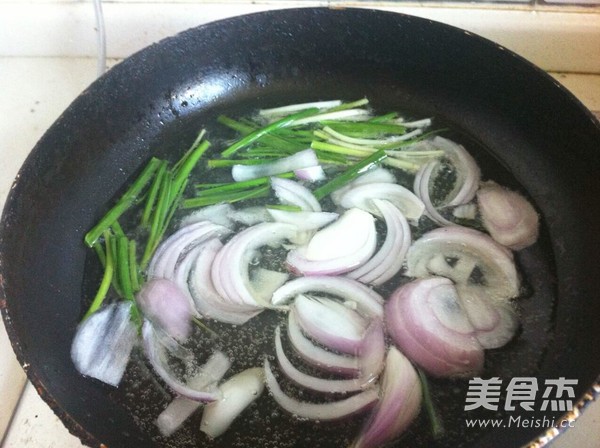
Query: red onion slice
(467, 172)
(372, 351)
(388, 261)
(426, 321)
(250, 216)
(263, 282)
(292, 193)
(317, 356)
(238, 392)
(377, 175)
(495, 321)
(453, 252)
(103, 343)
(169, 253)
(207, 300)
(164, 303)
(368, 302)
(330, 323)
(406, 201)
(230, 270)
(303, 220)
(323, 412)
(509, 218)
(155, 352)
(217, 214)
(181, 408)
(398, 406)
(421, 187)
(299, 160)
(313, 382)
(347, 243)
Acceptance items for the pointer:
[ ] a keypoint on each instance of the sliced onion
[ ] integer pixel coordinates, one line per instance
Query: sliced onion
(454, 252)
(180, 409)
(299, 160)
(164, 303)
(465, 211)
(312, 382)
(263, 282)
(509, 218)
(330, 323)
(303, 220)
(347, 243)
(311, 174)
(421, 187)
(103, 343)
(466, 168)
(368, 302)
(406, 201)
(426, 321)
(398, 406)
(377, 175)
(372, 351)
(217, 214)
(207, 300)
(169, 253)
(323, 412)
(495, 321)
(292, 193)
(230, 270)
(317, 356)
(388, 261)
(156, 354)
(238, 392)
(250, 216)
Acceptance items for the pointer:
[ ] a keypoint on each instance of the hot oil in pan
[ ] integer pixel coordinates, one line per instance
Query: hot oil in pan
(264, 424)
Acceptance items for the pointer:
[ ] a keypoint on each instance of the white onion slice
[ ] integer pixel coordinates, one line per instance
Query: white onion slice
(313, 382)
(467, 248)
(426, 321)
(207, 300)
(388, 261)
(369, 303)
(292, 193)
(330, 323)
(155, 352)
(421, 188)
(230, 270)
(323, 412)
(263, 282)
(347, 243)
(317, 356)
(398, 406)
(303, 220)
(180, 409)
(164, 303)
(103, 343)
(378, 175)
(238, 392)
(250, 216)
(302, 159)
(361, 196)
(509, 218)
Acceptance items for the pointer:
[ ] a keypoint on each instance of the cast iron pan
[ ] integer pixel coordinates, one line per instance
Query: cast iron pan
(524, 129)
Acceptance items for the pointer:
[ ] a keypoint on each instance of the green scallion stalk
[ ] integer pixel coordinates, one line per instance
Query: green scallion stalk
(190, 151)
(229, 197)
(339, 149)
(236, 186)
(255, 135)
(226, 163)
(437, 427)
(235, 125)
(181, 174)
(106, 279)
(365, 165)
(158, 218)
(350, 105)
(365, 128)
(285, 208)
(403, 165)
(384, 118)
(122, 267)
(153, 194)
(134, 273)
(123, 203)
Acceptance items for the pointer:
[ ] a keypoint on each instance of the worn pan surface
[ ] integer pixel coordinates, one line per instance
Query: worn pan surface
(524, 129)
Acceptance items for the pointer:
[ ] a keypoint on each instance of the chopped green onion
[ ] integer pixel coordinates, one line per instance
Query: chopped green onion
(181, 173)
(226, 163)
(106, 279)
(365, 165)
(133, 266)
(384, 118)
(122, 265)
(365, 128)
(233, 186)
(256, 134)
(437, 427)
(153, 193)
(123, 203)
(338, 149)
(231, 197)
(350, 105)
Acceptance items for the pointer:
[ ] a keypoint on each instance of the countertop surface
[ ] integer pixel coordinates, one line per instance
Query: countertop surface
(35, 90)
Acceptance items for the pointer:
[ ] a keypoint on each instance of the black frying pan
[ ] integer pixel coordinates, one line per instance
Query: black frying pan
(525, 130)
